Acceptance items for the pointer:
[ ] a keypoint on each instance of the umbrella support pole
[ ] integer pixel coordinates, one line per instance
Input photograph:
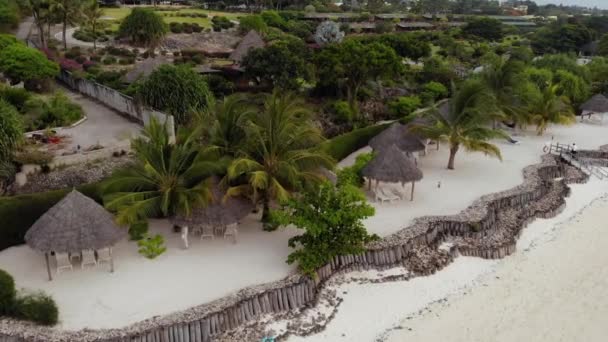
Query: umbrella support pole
(111, 261)
(412, 194)
(48, 266)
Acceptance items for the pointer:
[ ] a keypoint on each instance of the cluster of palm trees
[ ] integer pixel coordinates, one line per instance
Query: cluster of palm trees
(264, 150)
(503, 92)
(64, 12)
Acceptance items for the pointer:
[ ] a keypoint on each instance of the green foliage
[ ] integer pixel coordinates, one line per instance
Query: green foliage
(7, 40)
(485, 28)
(151, 247)
(332, 222)
(221, 23)
(57, 111)
(433, 91)
(342, 111)
(33, 156)
(404, 105)
(15, 96)
(384, 27)
(143, 27)
(38, 308)
(343, 145)
(548, 107)
(352, 175)
(602, 49)
(9, 15)
(219, 85)
(539, 77)
(166, 179)
(176, 90)
(11, 130)
(252, 22)
(598, 68)
(138, 230)
(7, 293)
(21, 63)
(561, 38)
(273, 19)
(407, 45)
(572, 86)
(437, 69)
(282, 64)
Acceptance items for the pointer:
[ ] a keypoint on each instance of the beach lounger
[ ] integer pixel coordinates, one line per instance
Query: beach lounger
(389, 195)
(63, 262)
(104, 255)
(74, 256)
(207, 232)
(88, 258)
(398, 193)
(231, 230)
(379, 196)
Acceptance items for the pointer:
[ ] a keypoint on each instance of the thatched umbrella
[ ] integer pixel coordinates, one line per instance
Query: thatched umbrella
(596, 105)
(397, 135)
(252, 40)
(394, 166)
(146, 67)
(74, 224)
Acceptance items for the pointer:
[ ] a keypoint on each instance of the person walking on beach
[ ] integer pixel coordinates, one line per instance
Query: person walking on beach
(574, 150)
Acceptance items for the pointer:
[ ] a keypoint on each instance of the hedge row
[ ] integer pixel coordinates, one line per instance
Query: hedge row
(341, 146)
(18, 213)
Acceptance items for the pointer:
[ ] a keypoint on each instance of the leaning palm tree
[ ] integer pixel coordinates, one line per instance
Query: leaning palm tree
(464, 122)
(281, 152)
(548, 107)
(166, 179)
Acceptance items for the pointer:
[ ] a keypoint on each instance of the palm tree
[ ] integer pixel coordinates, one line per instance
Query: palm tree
(280, 153)
(92, 15)
(166, 179)
(68, 12)
(549, 107)
(463, 122)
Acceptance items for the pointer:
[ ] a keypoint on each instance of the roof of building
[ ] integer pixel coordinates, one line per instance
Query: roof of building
(252, 40)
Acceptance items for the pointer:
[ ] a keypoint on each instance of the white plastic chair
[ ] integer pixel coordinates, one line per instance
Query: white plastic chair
(74, 256)
(398, 193)
(63, 262)
(207, 232)
(388, 195)
(231, 230)
(88, 258)
(104, 255)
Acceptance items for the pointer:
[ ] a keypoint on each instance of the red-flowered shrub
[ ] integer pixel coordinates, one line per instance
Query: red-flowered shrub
(69, 64)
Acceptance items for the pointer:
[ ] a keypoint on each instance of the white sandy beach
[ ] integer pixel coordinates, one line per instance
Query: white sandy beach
(179, 279)
(552, 289)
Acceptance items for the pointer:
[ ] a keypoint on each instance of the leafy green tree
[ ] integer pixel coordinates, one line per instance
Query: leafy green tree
(332, 220)
(143, 27)
(280, 153)
(252, 22)
(572, 86)
(21, 63)
(550, 108)
(166, 179)
(433, 91)
(92, 14)
(283, 64)
(598, 68)
(541, 78)
(9, 15)
(485, 28)
(407, 45)
(561, 38)
(351, 63)
(464, 122)
(176, 90)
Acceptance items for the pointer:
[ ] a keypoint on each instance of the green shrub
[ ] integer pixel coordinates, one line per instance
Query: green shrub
(433, 91)
(404, 105)
(342, 111)
(15, 224)
(352, 175)
(252, 22)
(341, 146)
(221, 23)
(35, 157)
(219, 85)
(39, 308)
(15, 96)
(7, 293)
(138, 230)
(109, 60)
(151, 247)
(58, 111)
(176, 27)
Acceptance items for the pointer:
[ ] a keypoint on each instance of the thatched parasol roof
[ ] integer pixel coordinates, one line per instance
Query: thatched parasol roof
(597, 104)
(74, 224)
(220, 212)
(251, 41)
(392, 165)
(399, 135)
(145, 68)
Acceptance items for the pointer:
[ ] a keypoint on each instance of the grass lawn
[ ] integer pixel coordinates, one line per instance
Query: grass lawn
(117, 14)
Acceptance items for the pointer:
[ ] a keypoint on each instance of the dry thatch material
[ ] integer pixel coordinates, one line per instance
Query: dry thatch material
(221, 212)
(251, 41)
(74, 224)
(392, 165)
(597, 104)
(145, 68)
(397, 135)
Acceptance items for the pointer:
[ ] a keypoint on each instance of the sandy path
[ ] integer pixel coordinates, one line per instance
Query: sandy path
(555, 292)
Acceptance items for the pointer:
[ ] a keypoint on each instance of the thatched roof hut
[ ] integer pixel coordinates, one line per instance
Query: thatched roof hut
(398, 135)
(145, 68)
(597, 104)
(392, 165)
(74, 224)
(251, 41)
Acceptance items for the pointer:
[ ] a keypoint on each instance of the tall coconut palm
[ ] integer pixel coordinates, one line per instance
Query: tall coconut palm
(68, 12)
(548, 107)
(463, 122)
(280, 153)
(166, 179)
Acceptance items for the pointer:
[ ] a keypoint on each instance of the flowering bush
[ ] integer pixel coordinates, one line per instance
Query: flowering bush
(88, 64)
(69, 64)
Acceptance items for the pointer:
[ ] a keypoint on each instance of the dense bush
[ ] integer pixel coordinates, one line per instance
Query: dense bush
(7, 39)
(11, 131)
(35, 157)
(219, 85)
(38, 308)
(341, 146)
(352, 175)
(9, 15)
(15, 96)
(7, 293)
(21, 63)
(342, 111)
(109, 60)
(57, 111)
(176, 27)
(252, 22)
(138, 230)
(404, 105)
(221, 23)
(151, 247)
(432, 92)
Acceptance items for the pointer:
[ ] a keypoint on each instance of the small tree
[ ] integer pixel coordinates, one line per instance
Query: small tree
(92, 14)
(143, 27)
(21, 63)
(331, 218)
(433, 91)
(328, 32)
(177, 90)
(68, 12)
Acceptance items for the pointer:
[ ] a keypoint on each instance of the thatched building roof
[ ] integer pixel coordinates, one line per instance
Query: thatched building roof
(597, 104)
(392, 165)
(251, 41)
(145, 68)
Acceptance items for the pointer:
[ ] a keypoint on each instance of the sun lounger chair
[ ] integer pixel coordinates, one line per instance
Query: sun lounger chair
(231, 230)
(390, 196)
(104, 255)
(88, 258)
(379, 196)
(398, 193)
(207, 232)
(197, 230)
(74, 256)
(63, 262)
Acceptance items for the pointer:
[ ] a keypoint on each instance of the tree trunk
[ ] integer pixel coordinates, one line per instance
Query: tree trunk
(94, 37)
(352, 101)
(453, 151)
(265, 208)
(64, 28)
